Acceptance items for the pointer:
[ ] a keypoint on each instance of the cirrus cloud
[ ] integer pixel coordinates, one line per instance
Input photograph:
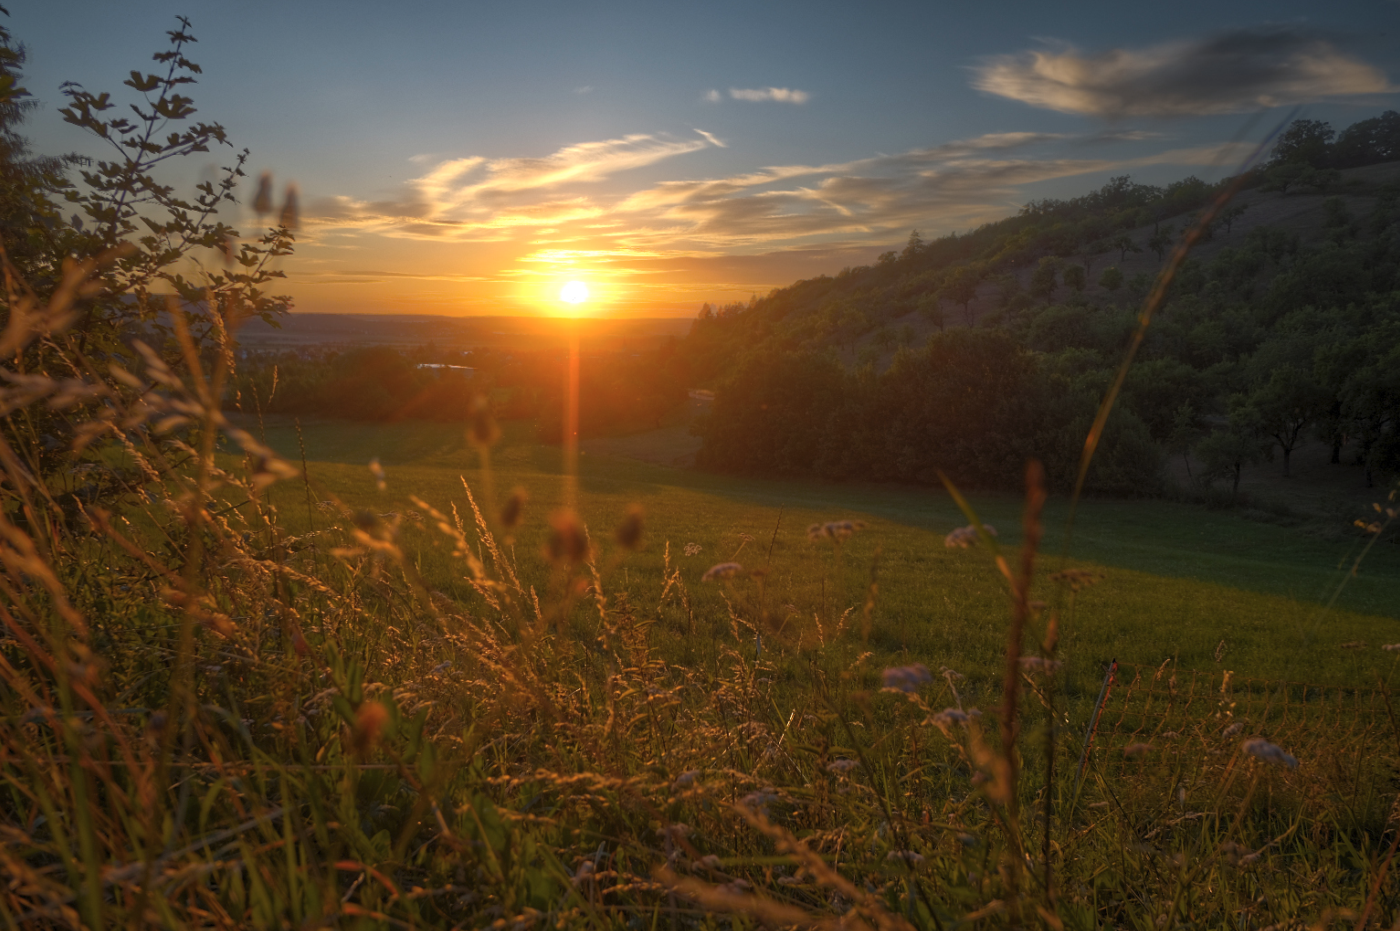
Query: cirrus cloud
(1228, 72)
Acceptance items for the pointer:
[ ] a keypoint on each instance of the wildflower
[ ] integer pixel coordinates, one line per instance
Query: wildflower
(1137, 749)
(1268, 752)
(584, 873)
(692, 549)
(1040, 664)
(907, 678)
(965, 537)
(1391, 647)
(724, 570)
(837, 530)
(377, 471)
(908, 856)
(760, 800)
(710, 861)
(841, 767)
(1233, 729)
(948, 717)
(629, 532)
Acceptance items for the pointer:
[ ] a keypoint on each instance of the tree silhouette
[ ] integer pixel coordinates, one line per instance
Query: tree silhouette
(1162, 240)
(1074, 277)
(1124, 244)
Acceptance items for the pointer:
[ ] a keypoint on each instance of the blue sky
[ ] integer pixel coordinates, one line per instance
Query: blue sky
(469, 158)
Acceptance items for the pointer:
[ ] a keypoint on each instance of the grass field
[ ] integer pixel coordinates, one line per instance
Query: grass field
(1205, 588)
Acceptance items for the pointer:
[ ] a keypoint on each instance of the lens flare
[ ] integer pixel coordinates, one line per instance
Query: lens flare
(575, 292)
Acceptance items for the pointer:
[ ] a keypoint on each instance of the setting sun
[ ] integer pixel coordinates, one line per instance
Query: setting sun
(575, 292)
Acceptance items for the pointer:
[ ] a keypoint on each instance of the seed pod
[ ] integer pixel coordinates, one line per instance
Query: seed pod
(369, 724)
(481, 426)
(262, 203)
(290, 215)
(568, 540)
(514, 508)
(629, 532)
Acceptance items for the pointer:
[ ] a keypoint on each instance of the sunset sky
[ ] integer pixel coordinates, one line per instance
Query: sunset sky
(470, 158)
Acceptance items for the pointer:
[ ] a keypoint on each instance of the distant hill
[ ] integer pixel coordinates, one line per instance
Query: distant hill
(971, 353)
(865, 314)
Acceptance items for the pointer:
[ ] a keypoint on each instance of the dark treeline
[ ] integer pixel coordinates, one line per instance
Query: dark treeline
(1273, 340)
(618, 392)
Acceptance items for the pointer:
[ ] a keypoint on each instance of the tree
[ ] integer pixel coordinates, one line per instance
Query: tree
(1074, 277)
(29, 184)
(1185, 433)
(1230, 214)
(1162, 239)
(1284, 405)
(1368, 142)
(1304, 142)
(1008, 288)
(1229, 448)
(1124, 244)
(1044, 278)
(914, 247)
(961, 288)
(1111, 279)
(931, 310)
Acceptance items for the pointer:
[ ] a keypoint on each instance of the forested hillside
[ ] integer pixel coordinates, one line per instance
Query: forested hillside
(970, 353)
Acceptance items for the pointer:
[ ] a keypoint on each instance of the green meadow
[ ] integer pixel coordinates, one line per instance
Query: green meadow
(1207, 589)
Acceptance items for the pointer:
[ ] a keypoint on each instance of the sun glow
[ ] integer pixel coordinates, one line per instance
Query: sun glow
(575, 292)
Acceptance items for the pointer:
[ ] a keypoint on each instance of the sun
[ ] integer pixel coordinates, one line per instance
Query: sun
(575, 292)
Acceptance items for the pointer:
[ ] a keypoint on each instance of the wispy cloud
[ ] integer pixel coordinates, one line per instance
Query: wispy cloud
(713, 96)
(963, 182)
(708, 137)
(586, 89)
(479, 198)
(776, 94)
(1228, 72)
(553, 208)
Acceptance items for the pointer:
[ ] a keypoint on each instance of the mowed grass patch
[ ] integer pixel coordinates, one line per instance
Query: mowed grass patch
(1207, 589)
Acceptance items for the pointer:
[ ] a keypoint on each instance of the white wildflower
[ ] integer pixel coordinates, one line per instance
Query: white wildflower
(1268, 752)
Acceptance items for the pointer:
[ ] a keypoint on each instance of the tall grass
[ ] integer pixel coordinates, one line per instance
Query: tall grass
(208, 721)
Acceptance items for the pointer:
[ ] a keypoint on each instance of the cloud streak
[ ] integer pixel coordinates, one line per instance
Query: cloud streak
(1228, 72)
(553, 208)
(774, 94)
(475, 198)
